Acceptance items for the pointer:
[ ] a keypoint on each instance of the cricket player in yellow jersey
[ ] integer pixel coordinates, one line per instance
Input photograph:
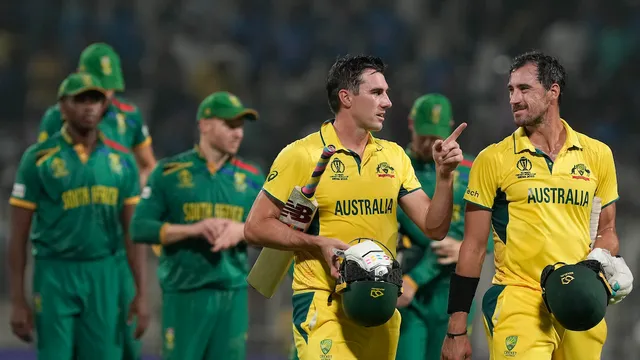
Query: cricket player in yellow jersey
(536, 188)
(365, 181)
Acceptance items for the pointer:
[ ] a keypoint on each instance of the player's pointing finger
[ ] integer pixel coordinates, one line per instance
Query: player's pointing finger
(454, 135)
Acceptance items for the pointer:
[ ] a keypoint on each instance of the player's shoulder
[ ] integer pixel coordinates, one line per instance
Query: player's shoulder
(248, 167)
(52, 112)
(301, 150)
(497, 151)
(172, 164)
(44, 149)
(124, 105)
(592, 145)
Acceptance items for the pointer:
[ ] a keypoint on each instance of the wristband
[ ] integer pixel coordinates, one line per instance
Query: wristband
(451, 336)
(461, 293)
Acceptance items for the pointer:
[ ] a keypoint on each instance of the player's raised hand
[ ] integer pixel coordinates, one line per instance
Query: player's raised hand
(22, 321)
(447, 153)
(139, 311)
(327, 246)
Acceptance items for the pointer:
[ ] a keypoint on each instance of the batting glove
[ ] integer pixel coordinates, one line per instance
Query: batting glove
(617, 273)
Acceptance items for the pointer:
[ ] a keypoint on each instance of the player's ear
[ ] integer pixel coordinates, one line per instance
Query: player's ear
(410, 124)
(345, 98)
(554, 92)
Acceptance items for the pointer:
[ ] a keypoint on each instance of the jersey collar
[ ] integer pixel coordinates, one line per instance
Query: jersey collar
(329, 137)
(210, 166)
(521, 141)
(82, 152)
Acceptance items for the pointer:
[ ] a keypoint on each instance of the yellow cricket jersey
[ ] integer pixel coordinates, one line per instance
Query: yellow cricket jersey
(541, 208)
(356, 197)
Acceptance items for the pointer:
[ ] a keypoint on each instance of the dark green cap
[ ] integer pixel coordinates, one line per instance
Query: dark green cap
(77, 83)
(577, 295)
(225, 106)
(100, 60)
(432, 115)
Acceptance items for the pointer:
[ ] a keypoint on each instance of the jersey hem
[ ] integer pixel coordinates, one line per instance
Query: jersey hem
(610, 202)
(22, 203)
(272, 197)
(132, 200)
(476, 204)
(146, 142)
(409, 192)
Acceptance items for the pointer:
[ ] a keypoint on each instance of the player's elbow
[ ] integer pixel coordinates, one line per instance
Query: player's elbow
(252, 232)
(436, 234)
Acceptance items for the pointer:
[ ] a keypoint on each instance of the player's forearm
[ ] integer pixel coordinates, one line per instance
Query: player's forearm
(151, 231)
(438, 218)
(17, 259)
(137, 258)
(608, 239)
(274, 234)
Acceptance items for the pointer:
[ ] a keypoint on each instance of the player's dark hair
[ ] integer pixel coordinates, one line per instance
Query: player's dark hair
(346, 73)
(550, 71)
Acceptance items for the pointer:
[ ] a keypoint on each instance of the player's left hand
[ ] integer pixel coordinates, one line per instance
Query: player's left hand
(447, 250)
(139, 311)
(447, 153)
(408, 293)
(231, 236)
(617, 273)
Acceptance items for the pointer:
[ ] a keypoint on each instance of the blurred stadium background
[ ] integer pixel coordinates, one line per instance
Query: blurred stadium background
(274, 54)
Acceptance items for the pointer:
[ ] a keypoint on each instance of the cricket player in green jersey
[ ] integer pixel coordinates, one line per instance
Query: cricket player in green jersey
(80, 190)
(427, 264)
(195, 205)
(122, 123)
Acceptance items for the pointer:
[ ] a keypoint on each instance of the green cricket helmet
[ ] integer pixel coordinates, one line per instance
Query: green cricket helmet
(370, 283)
(577, 295)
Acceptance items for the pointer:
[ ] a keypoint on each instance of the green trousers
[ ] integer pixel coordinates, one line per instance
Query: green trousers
(205, 324)
(425, 321)
(131, 348)
(76, 312)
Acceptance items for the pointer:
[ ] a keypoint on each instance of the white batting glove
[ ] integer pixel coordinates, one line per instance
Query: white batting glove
(617, 273)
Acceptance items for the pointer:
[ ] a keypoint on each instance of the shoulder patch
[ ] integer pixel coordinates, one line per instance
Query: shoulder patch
(43, 155)
(123, 106)
(114, 145)
(172, 167)
(244, 166)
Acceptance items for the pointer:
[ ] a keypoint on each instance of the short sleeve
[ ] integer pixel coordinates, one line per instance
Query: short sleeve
(27, 186)
(607, 189)
(152, 199)
(50, 124)
(483, 180)
(409, 180)
(291, 168)
(141, 135)
(131, 187)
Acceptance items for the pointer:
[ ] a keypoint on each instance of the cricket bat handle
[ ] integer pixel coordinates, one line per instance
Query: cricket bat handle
(310, 189)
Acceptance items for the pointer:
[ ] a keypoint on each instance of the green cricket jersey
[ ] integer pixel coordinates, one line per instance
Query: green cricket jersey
(185, 189)
(418, 261)
(77, 197)
(122, 123)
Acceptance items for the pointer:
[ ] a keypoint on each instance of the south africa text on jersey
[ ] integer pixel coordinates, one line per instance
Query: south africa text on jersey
(364, 207)
(83, 196)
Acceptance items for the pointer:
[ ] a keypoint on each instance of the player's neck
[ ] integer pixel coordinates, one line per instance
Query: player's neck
(548, 136)
(87, 138)
(212, 155)
(350, 135)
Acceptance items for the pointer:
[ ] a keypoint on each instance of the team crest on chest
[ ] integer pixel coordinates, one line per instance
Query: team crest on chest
(240, 181)
(385, 170)
(59, 168)
(115, 164)
(185, 179)
(580, 171)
